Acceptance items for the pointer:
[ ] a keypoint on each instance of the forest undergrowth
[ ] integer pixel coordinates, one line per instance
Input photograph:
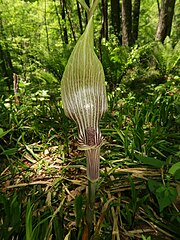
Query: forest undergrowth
(43, 175)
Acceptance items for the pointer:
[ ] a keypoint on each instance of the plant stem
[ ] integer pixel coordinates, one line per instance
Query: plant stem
(92, 9)
(90, 207)
(84, 5)
(89, 11)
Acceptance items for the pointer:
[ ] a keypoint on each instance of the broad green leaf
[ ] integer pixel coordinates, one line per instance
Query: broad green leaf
(150, 161)
(175, 170)
(153, 185)
(175, 167)
(165, 196)
(177, 175)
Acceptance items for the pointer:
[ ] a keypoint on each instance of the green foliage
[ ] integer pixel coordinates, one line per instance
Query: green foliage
(167, 56)
(3, 133)
(165, 194)
(144, 238)
(10, 216)
(79, 214)
(141, 131)
(156, 163)
(175, 170)
(29, 226)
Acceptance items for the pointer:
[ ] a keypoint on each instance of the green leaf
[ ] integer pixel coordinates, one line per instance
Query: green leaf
(177, 175)
(153, 185)
(175, 170)
(15, 212)
(29, 220)
(8, 152)
(156, 163)
(78, 203)
(144, 238)
(165, 196)
(58, 228)
(3, 133)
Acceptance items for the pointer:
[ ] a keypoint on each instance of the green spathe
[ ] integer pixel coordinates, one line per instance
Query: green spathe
(84, 97)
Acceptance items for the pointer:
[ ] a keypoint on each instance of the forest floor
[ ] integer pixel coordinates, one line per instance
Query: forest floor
(43, 188)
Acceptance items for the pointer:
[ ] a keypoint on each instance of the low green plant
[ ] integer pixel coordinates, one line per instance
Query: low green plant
(164, 193)
(167, 56)
(146, 238)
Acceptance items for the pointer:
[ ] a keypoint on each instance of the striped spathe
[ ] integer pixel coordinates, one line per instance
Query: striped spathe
(84, 97)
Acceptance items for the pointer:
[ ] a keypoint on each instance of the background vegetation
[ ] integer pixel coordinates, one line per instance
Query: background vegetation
(43, 177)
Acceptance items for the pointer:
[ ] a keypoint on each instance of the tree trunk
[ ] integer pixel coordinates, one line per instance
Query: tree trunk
(62, 2)
(59, 20)
(105, 19)
(158, 7)
(80, 18)
(126, 22)
(135, 20)
(116, 18)
(70, 23)
(165, 19)
(170, 16)
(6, 66)
(16, 89)
(46, 26)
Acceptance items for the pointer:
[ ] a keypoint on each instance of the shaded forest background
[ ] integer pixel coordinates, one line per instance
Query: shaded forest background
(38, 36)
(42, 174)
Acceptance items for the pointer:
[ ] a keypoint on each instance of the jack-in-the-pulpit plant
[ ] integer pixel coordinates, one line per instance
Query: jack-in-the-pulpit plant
(84, 100)
(84, 97)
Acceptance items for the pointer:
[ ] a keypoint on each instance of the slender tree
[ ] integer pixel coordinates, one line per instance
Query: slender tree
(70, 23)
(58, 18)
(104, 30)
(116, 18)
(6, 66)
(126, 22)
(158, 6)
(165, 19)
(46, 25)
(79, 16)
(62, 2)
(135, 20)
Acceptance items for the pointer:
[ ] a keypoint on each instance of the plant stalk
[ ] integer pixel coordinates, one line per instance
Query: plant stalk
(84, 5)
(89, 11)
(93, 7)
(90, 207)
